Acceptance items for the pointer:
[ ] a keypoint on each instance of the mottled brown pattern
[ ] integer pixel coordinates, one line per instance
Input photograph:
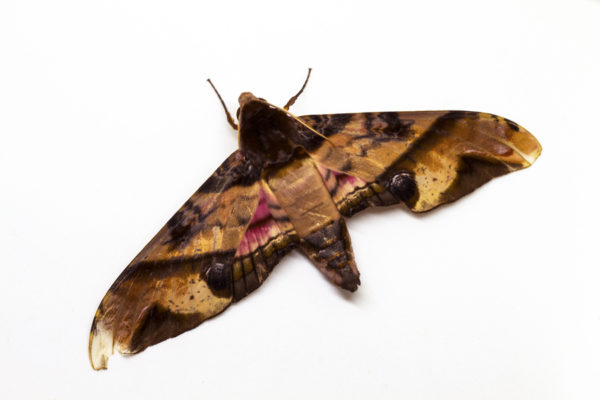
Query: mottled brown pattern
(290, 185)
(447, 153)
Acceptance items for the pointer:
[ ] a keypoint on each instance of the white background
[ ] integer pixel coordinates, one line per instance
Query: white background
(107, 126)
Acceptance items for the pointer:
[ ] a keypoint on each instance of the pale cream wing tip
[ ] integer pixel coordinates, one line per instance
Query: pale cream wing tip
(534, 150)
(101, 347)
(526, 145)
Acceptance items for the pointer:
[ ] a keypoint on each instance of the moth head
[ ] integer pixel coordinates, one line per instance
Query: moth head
(245, 98)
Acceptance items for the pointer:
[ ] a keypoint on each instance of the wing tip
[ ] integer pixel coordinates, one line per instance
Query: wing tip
(527, 145)
(101, 347)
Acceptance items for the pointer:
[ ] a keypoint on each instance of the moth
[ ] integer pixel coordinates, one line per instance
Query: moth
(290, 185)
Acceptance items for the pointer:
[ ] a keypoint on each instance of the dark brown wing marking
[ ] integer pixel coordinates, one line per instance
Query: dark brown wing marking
(424, 159)
(184, 275)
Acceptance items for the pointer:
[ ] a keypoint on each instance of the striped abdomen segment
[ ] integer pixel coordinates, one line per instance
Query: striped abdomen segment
(330, 249)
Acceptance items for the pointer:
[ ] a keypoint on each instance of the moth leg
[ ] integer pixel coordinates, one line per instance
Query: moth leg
(294, 98)
(321, 230)
(229, 117)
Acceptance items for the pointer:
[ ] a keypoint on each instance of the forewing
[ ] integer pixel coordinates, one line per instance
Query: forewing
(424, 158)
(184, 275)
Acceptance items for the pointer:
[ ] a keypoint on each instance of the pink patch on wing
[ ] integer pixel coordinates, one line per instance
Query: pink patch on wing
(350, 180)
(262, 226)
(340, 182)
(262, 211)
(243, 247)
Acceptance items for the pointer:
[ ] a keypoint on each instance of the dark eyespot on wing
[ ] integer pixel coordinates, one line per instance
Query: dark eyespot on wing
(403, 186)
(218, 276)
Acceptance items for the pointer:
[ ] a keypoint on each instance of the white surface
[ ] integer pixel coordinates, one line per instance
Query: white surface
(107, 126)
